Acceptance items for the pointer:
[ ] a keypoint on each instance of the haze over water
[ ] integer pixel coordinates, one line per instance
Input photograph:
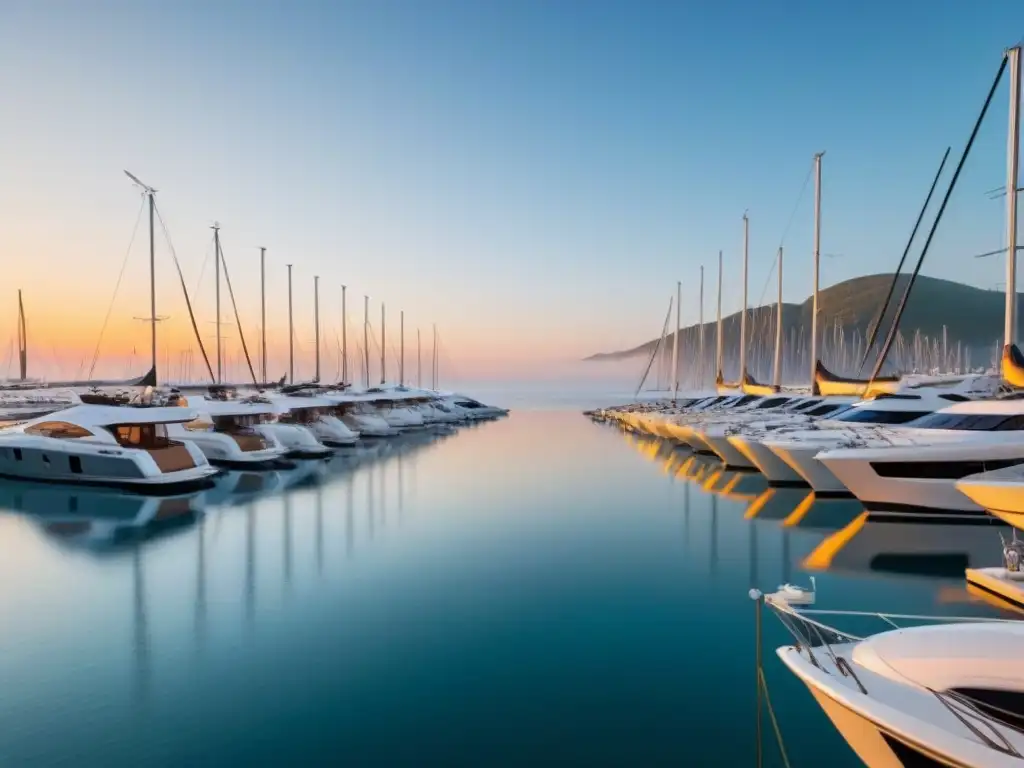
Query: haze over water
(539, 588)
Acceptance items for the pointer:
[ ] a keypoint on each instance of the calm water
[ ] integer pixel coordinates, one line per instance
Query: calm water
(540, 588)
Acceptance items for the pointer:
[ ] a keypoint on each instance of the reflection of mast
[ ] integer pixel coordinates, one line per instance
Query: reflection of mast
(369, 501)
(785, 556)
(713, 559)
(401, 490)
(141, 639)
(200, 617)
(319, 529)
(286, 539)
(349, 522)
(383, 494)
(250, 560)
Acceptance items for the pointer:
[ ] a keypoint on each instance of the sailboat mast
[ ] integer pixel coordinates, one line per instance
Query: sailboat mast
(344, 338)
(419, 361)
(263, 315)
(22, 340)
(152, 287)
(401, 347)
(366, 342)
(433, 363)
(1012, 174)
(216, 274)
(675, 347)
(700, 362)
(743, 315)
(291, 333)
(778, 329)
(316, 322)
(718, 335)
(383, 347)
(817, 264)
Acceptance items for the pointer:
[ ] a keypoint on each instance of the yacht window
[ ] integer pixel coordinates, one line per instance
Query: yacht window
(955, 398)
(772, 402)
(806, 405)
(17, 454)
(827, 408)
(869, 416)
(988, 422)
(746, 399)
(894, 396)
(61, 429)
(1002, 705)
(75, 463)
(141, 435)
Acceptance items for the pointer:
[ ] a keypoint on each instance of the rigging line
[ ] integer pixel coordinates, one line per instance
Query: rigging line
(654, 352)
(903, 258)
(238, 320)
(792, 216)
(202, 269)
(117, 287)
(935, 224)
(184, 290)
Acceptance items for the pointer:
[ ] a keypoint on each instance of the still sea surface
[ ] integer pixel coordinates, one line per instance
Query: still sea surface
(535, 590)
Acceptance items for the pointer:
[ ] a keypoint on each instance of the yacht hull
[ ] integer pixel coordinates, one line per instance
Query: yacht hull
(801, 459)
(728, 453)
(1003, 498)
(142, 488)
(775, 470)
(916, 479)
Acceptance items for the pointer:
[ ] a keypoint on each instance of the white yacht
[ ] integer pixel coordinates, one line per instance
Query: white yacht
(359, 415)
(799, 446)
(940, 694)
(676, 426)
(230, 432)
(118, 446)
(914, 469)
(307, 426)
(712, 432)
(746, 439)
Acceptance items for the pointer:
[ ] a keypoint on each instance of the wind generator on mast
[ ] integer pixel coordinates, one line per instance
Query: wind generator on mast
(153, 319)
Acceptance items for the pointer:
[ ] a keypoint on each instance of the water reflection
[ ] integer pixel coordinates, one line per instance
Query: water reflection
(891, 545)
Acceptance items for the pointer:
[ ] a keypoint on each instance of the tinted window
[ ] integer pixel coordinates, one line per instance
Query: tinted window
(827, 408)
(747, 399)
(989, 422)
(57, 429)
(869, 416)
(804, 406)
(772, 402)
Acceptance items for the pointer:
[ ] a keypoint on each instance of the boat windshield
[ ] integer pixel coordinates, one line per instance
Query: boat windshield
(987, 422)
(60, 429)
(745, 400)
(300, 416)
(771, 402)
(872, 416)
(141, 435)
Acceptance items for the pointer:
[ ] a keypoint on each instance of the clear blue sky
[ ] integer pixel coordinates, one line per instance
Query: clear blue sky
(533, 175)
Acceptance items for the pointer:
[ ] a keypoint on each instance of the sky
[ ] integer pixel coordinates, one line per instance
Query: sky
(531, 176)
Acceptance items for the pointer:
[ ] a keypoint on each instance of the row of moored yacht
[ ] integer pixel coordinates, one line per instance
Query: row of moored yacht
(952, 447)
(168, 441)
(945, 693)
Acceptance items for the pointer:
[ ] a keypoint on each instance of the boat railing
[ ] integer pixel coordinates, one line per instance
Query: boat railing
(977, 717)
(815, 637)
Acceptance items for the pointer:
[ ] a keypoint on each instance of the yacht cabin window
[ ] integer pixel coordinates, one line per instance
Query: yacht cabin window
(871, 416)
(805, 406)
(60, 429)
(772, 402)
(828, 408)
(141, 435)
(987, 422)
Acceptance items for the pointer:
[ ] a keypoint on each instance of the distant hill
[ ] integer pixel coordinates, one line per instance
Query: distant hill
(972, 317)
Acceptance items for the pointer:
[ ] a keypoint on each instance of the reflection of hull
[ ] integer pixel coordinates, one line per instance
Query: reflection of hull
(239, 487)
(99, 516)
(777, 504)
(881, 545)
